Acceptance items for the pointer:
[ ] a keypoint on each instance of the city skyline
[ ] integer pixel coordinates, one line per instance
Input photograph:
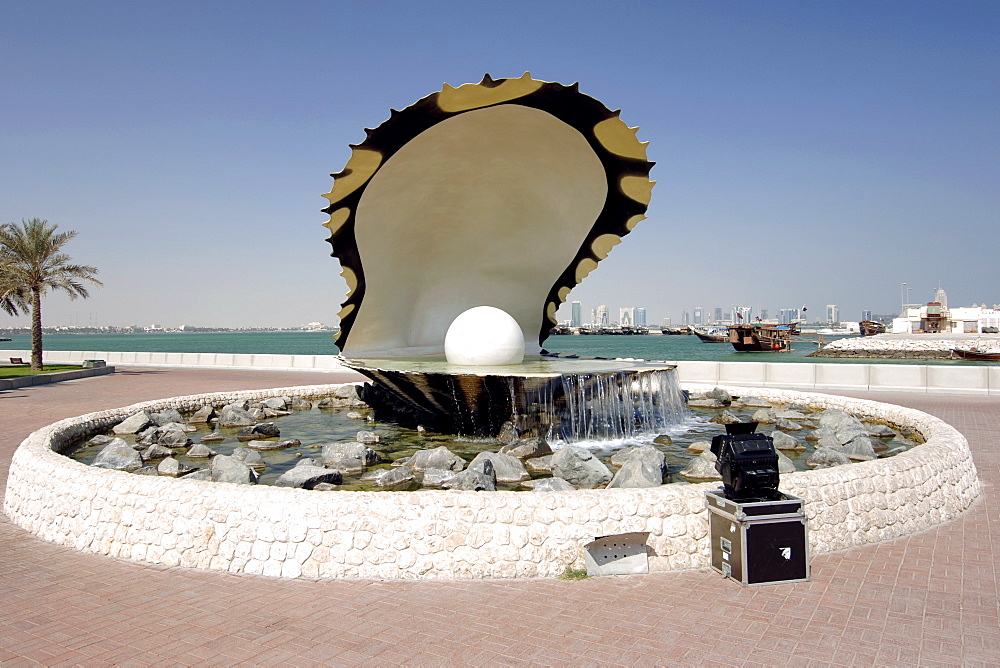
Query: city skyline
(807, 153)
(770, 311)
(599, 314)
(699, 315)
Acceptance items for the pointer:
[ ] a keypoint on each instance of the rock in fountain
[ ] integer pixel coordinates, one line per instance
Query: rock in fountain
(461, 224)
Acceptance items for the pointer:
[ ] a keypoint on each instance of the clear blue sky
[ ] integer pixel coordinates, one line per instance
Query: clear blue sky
(807, 152)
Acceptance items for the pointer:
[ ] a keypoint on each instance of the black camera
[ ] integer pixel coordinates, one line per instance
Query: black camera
(747, 462)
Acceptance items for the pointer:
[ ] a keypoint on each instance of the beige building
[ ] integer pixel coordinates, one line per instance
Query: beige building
(937, 317)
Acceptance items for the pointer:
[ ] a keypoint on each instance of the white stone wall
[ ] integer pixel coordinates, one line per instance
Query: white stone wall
(981, 380)
(970, 380)
(262, 361)
(452, 534)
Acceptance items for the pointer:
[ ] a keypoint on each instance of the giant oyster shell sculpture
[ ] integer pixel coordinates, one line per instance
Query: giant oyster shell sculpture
(505, 193)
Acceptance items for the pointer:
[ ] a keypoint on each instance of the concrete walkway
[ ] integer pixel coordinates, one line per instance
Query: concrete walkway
(931, 599)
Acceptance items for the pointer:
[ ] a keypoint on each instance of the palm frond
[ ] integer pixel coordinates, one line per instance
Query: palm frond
(32, 262)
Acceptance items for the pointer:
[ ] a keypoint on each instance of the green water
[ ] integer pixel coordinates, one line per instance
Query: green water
(690, 348)
(652, 347)
(289, 343)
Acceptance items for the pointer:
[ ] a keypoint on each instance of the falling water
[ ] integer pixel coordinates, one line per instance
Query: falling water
(607, 406)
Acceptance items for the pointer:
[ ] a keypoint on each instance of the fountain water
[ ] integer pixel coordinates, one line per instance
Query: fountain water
(617, 405)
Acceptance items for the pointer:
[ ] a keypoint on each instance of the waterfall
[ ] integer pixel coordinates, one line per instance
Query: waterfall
(606, 406)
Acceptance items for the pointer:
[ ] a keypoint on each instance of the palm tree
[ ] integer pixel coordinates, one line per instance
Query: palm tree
(31, 264)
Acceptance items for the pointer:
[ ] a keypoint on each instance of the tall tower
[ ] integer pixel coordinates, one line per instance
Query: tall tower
(699, 318)
(576, 317)
(640, 316)
(941, 296)
(832, 314)
(602, 316)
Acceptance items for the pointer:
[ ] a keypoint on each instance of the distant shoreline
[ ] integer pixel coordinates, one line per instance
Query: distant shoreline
(298, 342)
(905, 346)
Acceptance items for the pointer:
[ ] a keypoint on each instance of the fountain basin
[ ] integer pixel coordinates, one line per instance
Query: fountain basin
(438, 534)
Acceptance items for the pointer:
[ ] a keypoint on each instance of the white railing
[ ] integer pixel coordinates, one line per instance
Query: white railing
(920, 378)
(255, 361)
(974, 380)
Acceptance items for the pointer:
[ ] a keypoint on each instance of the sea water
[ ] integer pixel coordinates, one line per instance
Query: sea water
(649, 347)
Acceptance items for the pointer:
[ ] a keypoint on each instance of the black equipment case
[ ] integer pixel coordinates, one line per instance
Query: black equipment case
(758, 542)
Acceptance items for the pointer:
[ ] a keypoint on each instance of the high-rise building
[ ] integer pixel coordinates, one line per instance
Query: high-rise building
(866, 315)
(698, 317)
(601, 317)
(626, 316)
(576, 318)
(787, 316)
(718, 314)
(685, 318)
(741, 314)
(763, 314)
(832, 314)
(640, 316)
(666, 322)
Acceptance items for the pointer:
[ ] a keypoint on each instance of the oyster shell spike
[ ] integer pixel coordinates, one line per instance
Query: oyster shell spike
(493, 197)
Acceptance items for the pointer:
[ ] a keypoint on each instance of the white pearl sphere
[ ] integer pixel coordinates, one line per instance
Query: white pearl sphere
(484, 336)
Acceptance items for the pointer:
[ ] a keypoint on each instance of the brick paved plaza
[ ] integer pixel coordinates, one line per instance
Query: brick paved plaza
(930, 599)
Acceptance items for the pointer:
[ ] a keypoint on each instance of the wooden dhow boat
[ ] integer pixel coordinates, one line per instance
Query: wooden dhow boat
(713, 335)
(758, 338)
(974, 353)
(871, 328)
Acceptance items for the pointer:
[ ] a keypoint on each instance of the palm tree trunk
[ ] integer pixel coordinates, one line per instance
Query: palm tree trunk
(36, 330)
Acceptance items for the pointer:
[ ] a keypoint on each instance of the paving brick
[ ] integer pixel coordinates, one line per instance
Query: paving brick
(928, 599)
